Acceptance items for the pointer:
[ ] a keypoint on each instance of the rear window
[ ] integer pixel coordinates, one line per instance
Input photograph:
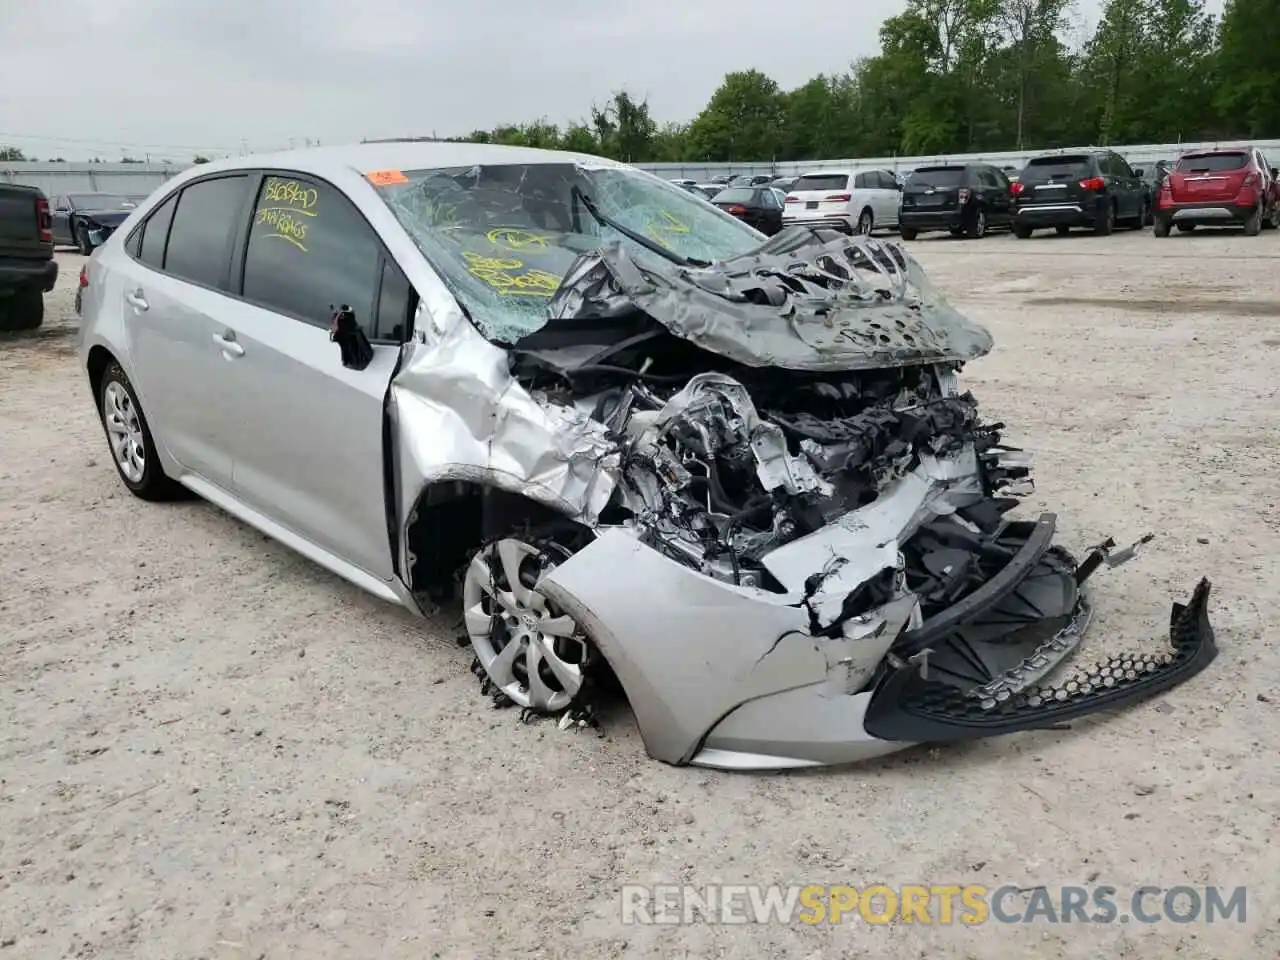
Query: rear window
(1212, 162)
(938, 177)
(821, 181)
(1057, 168)
(736, 195)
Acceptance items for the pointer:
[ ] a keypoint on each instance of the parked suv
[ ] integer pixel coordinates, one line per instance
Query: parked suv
(27, 268)
(1095, 189)
(844, 199)
(965, 199)
(1229, 187)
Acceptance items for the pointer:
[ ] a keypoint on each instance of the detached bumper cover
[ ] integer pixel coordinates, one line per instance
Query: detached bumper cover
(909, 707)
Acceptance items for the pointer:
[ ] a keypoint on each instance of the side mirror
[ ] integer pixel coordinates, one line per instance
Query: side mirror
(1139, 172)
(1275, 173)
(357, 352)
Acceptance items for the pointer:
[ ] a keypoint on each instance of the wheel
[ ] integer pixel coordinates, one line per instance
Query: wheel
(1149, 215)
(533, 654)
(1062, 229)
(1162, 227)
(1107, 224)
(1143, 217)
(1186, 228)
(133, 451)
(1253, 223)
(1274, 220)
(1021, 231)
(908, 233)
(956, 232)
(83, 243)
(976, 228)
(24, 310)
(866, 223)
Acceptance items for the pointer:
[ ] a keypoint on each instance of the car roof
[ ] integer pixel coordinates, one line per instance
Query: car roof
(399, 155)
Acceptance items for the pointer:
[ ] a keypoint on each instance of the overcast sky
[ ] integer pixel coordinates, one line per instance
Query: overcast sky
(183, 76)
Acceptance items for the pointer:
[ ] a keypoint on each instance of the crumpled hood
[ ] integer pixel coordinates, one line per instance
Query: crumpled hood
(805, 300)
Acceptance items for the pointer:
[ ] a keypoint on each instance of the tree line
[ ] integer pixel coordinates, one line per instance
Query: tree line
(965, 76)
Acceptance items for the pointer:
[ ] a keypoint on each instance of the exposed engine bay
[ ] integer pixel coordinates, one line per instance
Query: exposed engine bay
(779, 449)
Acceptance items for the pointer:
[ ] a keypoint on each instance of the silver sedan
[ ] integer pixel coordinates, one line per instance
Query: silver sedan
(645, 447)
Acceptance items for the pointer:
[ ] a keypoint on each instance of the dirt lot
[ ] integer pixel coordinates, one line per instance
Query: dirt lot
(212, 748)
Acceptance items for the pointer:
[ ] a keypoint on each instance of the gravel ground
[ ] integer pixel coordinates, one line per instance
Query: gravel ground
(211, 748)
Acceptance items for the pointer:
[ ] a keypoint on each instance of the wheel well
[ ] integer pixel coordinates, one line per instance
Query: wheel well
(99, 359)
(451, 519)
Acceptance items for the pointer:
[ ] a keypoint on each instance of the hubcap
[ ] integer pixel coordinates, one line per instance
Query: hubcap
(532, 652)
(864, 225)
(982, 223)
(124, 432)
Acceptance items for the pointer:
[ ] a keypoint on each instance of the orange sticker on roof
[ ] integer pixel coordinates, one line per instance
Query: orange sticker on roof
(385, 178)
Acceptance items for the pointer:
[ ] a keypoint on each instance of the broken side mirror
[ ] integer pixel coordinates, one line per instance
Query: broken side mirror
(1275, 173)
(1139, 173)
(357, 352)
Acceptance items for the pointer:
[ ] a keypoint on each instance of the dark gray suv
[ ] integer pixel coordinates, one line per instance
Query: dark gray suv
(1094, 189)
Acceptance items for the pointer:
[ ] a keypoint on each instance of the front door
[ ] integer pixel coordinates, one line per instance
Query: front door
(308, 446)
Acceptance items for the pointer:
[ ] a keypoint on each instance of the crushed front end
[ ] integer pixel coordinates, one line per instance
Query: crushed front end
(809, 555)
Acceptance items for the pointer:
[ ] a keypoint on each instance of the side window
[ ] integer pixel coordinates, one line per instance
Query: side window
(200, 238)
(862, 181)
(396, 301)
(769, 199)
(309, 251)
(155, 232)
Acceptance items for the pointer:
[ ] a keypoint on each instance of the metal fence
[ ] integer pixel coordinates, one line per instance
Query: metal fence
(61, 178)
(142, 178)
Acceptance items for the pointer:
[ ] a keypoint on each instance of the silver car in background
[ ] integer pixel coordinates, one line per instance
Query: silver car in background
(641, 442)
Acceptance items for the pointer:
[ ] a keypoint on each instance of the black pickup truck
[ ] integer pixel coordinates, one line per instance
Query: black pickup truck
(27, 268)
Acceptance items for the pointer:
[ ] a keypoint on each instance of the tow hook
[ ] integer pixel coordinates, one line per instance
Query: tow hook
(1105, 552)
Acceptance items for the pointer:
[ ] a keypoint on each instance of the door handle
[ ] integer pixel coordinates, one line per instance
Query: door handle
(137, 300)
(230, 349)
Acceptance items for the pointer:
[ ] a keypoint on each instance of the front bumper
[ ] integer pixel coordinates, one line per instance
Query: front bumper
(737, 678)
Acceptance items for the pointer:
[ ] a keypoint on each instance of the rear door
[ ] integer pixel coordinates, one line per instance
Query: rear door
(308, 448)
(175, 304)
(817, 194)
(1055, 180)
(1209, 177)
(997, 194)
(886, 199)
(1129, 190)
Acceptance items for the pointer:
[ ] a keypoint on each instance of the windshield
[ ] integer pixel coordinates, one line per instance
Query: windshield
(102, 201)
(1212, 162)
(938, 177)
(503, 236)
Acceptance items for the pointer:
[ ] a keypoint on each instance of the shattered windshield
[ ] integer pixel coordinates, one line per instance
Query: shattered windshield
(502, 236)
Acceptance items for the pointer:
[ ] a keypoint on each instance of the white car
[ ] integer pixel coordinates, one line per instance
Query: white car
(858, 202)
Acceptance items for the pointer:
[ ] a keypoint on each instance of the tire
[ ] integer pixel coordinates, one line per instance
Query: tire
(1161, 227)
(1253, 223)
(866, 223)
(1143, 215)
(24, 310)
(908, 233)
(83, 243)
(1021, 231)
(127, 430)
(1149, 217)
(1186, 228)
(956, 232)
(1062, 229)
(1107, 224)
(976, 228)
(500, 607)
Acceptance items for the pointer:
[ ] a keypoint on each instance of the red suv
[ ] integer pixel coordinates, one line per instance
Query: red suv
(1228, 187)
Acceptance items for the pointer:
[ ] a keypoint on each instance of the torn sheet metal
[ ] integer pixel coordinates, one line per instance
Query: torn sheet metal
(458, 414)
(805, 300)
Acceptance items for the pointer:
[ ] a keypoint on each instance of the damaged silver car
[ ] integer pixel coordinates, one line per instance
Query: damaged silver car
(737, 477)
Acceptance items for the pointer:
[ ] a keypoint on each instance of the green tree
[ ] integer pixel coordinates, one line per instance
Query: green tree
(12, 154)
(743, 120)
(1248, 90)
